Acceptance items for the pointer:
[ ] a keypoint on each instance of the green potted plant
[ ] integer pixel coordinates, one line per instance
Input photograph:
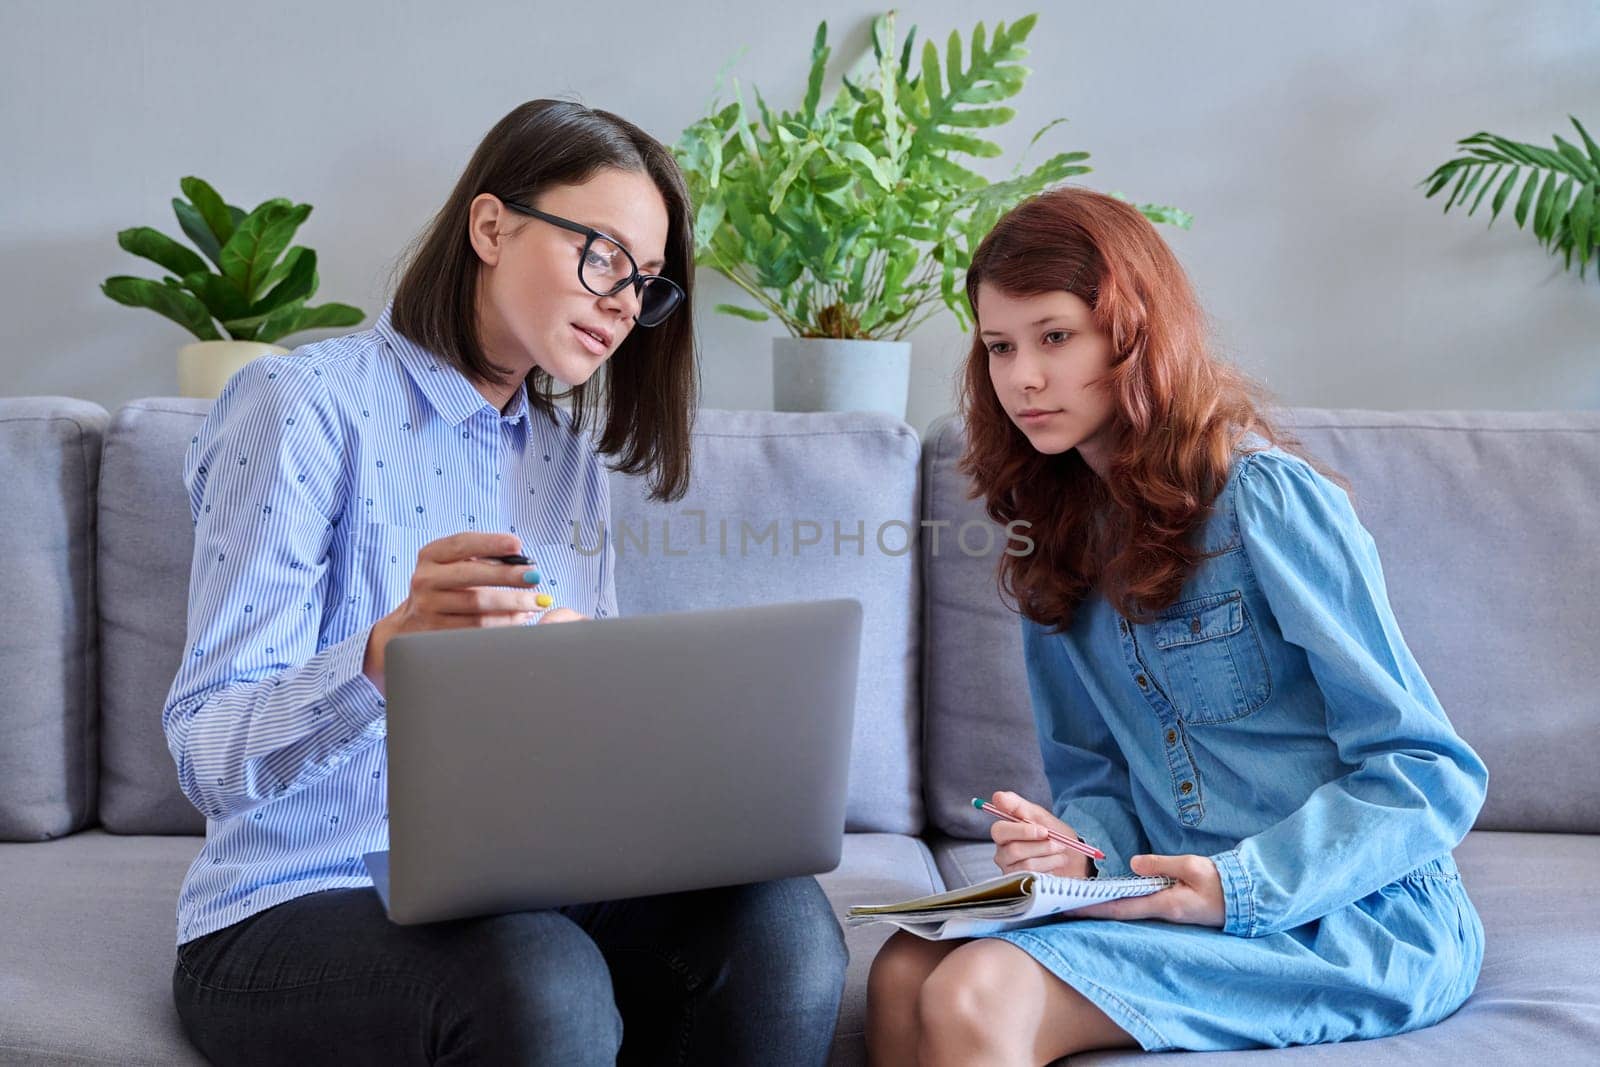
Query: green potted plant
(852, 223)
(1560, 195)
(258, 294)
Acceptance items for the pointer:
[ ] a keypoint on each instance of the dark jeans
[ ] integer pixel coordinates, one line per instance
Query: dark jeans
(745, 975)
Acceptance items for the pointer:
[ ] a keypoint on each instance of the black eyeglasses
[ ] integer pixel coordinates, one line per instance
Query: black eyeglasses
(606, 268)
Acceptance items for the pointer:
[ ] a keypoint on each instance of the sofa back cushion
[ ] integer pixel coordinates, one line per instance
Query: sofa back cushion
(50, 459)
(146, 546)
(1485, 522)
(789, 507)
(757, 476)
(977, 725)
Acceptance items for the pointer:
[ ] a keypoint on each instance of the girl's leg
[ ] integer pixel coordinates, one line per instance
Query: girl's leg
(989, 1002)
(898, 971)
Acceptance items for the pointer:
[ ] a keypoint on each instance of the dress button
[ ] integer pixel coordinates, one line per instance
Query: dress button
(1194, 626)
(1144, 683)
(1186, 788)
(1172, 737)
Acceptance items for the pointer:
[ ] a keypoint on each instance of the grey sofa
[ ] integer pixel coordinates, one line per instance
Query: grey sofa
(1487, 525)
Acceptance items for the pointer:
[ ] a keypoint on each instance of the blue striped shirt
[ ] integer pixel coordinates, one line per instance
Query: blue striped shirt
(313, 483)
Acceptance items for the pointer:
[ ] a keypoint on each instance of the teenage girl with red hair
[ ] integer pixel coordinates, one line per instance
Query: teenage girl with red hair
(1221, 692)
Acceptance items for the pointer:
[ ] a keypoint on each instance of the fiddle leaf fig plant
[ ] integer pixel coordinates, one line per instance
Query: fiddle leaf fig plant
(858, 218)
(261, 286)
(1559, 196)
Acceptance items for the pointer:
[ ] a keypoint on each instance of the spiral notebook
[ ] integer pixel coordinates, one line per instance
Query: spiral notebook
(1005, 903)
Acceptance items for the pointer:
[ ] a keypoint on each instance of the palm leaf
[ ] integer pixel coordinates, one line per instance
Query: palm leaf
(1558, 199)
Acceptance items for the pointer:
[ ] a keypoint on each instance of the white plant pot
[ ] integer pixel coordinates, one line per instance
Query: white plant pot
(824, 374)
(204, 367)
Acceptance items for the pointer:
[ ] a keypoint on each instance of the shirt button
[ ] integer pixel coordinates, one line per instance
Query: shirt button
(1144, 683)
(1186, 788)
(1124, 625)
(1194, 626)
(1172, 737)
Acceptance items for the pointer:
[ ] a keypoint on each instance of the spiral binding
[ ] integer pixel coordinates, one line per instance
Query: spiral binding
(1074, 888)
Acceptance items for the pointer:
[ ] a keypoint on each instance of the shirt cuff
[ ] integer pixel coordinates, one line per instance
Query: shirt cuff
(1238, 894)
(347, 688)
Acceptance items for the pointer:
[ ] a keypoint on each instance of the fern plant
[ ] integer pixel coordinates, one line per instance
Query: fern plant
(857, 219)
(1558, 198)
(254, 295)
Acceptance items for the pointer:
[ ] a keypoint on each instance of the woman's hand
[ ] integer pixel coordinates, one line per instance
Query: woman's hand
(1196, 900)
(561, 615)
(456, 585)
(1024, 846)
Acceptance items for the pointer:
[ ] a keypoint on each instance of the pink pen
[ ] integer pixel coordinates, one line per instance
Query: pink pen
(1054, 835)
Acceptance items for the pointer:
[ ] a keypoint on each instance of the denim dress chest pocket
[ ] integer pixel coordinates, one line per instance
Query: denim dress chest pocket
(1213, 663)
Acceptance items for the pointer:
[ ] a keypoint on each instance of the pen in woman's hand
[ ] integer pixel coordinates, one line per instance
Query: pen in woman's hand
(544, 600)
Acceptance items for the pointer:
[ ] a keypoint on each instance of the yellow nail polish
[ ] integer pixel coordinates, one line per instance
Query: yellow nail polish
(544, 600)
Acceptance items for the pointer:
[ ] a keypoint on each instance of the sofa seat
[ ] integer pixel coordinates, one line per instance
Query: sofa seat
(86, 958)
(1538, 996)
(876, 868)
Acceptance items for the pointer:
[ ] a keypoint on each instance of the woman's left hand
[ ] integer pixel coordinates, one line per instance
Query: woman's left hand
(1196, 899)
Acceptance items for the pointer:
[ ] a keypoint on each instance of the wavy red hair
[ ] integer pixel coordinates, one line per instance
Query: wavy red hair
(1179, 413)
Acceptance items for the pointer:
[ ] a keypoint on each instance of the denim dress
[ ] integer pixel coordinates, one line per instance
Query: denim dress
(1273, 720)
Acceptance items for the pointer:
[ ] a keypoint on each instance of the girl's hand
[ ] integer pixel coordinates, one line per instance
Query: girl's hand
(1196, 900)
(1024, 846)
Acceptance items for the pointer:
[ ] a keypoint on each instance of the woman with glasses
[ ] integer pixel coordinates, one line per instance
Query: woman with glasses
(421, 476)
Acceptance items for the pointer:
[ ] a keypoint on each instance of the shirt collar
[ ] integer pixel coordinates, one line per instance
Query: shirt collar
(450, 392)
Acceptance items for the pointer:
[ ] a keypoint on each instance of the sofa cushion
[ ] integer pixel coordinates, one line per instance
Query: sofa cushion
(875, 868)
(86, 963)
(146, 548)
(977, 726)
(1536, 1000)
(50, 453)
(1485, 524)
(765, 487)
(755, 474)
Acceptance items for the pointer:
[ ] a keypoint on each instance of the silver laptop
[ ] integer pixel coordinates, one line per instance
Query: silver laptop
(536, 766)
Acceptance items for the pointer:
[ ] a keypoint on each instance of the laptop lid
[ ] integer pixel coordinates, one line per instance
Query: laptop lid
(532, 767)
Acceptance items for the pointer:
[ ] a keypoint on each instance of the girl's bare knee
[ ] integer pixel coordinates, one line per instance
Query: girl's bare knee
(897, 970)
(956, 1010)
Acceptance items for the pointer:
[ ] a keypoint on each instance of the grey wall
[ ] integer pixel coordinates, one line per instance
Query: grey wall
(1295, 133)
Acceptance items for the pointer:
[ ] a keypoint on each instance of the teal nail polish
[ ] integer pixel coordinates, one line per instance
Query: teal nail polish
(530, 577)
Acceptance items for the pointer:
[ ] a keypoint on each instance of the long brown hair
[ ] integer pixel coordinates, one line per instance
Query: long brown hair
(1178, 414)
(649, 388)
